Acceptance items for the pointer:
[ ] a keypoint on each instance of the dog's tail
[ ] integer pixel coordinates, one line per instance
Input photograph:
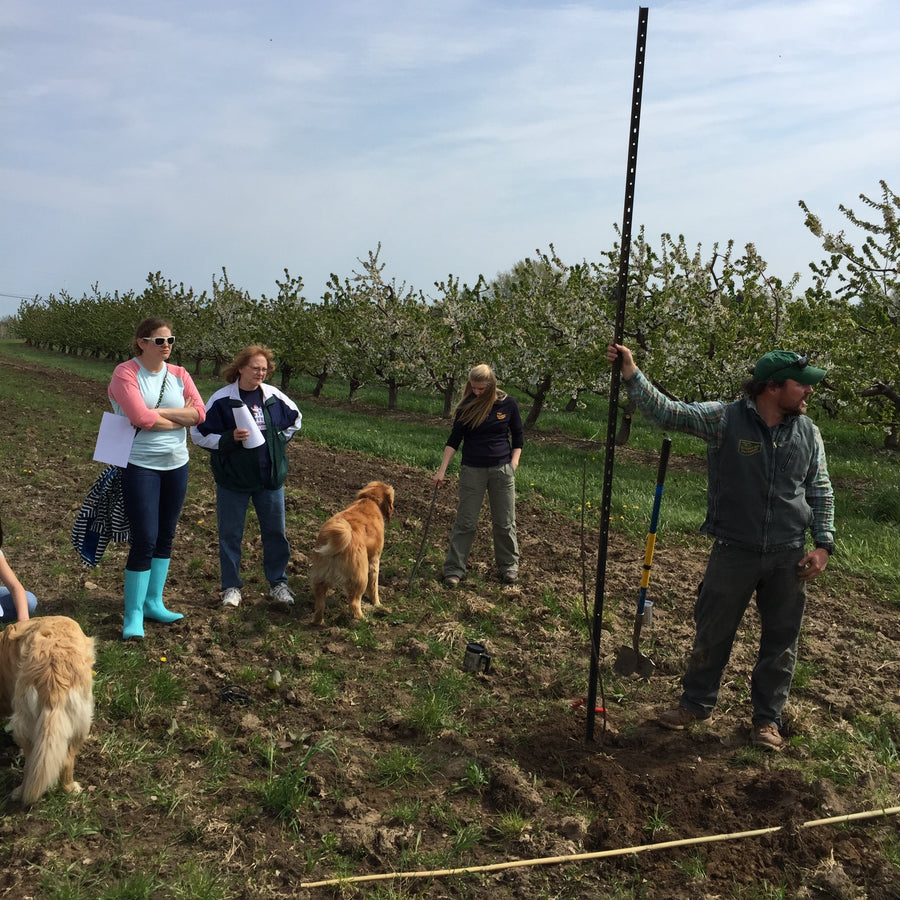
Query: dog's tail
(51, 730)
(334, 538)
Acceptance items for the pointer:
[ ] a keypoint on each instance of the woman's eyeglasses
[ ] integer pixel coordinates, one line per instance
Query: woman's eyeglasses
(159, 341)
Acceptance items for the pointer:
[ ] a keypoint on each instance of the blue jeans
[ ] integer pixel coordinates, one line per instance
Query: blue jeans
(732, 576)
(153, 501)
(8, 608)
(231, 513)
(500, 484)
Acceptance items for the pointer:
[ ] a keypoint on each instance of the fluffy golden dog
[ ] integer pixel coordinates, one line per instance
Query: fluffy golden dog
(347, 552)
(46, 673)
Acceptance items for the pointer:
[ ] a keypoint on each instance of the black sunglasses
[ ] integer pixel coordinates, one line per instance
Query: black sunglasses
(801, 362)
(160, 340)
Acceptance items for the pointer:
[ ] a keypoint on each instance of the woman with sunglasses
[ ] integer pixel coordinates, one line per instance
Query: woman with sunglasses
(161, 401)
(248, 424)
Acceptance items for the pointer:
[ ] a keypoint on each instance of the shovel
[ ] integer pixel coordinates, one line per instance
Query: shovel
(415, 568)
(630, 660)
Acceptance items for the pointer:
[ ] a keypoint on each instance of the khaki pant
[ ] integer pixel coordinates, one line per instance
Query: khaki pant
(500, 484)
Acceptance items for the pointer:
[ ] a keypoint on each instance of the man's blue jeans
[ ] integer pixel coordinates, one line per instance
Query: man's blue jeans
(732, 576)
(153, 501)
(231, 513)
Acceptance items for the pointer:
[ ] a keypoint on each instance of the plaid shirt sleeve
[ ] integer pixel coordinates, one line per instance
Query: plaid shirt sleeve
(820, 495)
(703, 420)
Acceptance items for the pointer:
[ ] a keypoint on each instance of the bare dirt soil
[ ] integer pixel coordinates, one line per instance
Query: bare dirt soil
(525, 723)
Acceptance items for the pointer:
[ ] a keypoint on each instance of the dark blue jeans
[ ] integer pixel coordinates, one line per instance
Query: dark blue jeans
(732, 577)
(231, 513)
(153, 501)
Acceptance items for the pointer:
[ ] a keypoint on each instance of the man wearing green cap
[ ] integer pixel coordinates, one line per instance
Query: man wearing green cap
(767, 485)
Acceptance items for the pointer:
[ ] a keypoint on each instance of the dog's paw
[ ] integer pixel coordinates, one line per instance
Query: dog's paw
(73, 788)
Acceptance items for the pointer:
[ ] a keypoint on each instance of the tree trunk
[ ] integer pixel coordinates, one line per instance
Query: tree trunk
(393, 391)
(625, 427)
(286, 372)
(448, 401)
(540, 398)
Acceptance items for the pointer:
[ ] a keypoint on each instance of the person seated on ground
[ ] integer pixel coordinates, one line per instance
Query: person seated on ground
(16, 604)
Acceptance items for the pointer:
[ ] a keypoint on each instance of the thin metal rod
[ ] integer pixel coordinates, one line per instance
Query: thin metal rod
(615, 379)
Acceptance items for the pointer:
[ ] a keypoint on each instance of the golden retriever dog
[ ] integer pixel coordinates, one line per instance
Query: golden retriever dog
(46, 673)
(347, 552)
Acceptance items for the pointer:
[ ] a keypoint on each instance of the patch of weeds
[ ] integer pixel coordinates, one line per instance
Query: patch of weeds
(72, 826)
(476, 778)
(566, 799)
(693, 867)
(120, 753)
(284, 793)
(325, 684)
(834, 756)
(430, 713)
(218, 757)
(482, 625)
(464, 838)
(247, 675)
(127, 686)
(437, 649)
(762, 891)
(167, 689)
(400, 765)
(882, 736)
(405, 811)
(436, 705)
(262, 751)
(77, 884)
(890, 847)
(511, 825)
(804, 674)
(363, 637)
(658, 821)
(199, 883)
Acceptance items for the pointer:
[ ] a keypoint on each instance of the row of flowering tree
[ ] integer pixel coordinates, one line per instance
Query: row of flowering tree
(695, 322)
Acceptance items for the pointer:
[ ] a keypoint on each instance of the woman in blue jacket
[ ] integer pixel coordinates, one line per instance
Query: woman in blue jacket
(246, 473)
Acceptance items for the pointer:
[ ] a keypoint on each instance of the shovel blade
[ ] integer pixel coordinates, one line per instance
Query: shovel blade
(631, 662)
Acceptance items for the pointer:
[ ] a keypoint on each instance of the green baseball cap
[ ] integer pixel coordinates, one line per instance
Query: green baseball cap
(781, 364)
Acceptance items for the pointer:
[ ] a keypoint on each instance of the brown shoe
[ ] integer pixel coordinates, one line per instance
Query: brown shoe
(679, 718)
(767, 737)
(451, 581)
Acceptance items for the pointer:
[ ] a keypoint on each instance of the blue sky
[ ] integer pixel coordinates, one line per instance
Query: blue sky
(184, 137)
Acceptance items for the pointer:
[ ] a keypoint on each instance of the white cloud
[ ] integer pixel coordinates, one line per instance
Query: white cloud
(187, 137)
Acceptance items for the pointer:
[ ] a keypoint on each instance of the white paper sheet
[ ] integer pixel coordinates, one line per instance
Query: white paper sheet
(243, 418)
(114, 440)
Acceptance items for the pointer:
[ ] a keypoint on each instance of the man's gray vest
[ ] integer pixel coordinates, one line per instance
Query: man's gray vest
(758, 478)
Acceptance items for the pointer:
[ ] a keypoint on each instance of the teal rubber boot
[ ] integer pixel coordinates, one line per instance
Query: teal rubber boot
(135, 594)
(153, 604)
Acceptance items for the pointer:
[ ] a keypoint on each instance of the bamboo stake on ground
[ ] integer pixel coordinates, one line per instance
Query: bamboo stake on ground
(600, 854)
